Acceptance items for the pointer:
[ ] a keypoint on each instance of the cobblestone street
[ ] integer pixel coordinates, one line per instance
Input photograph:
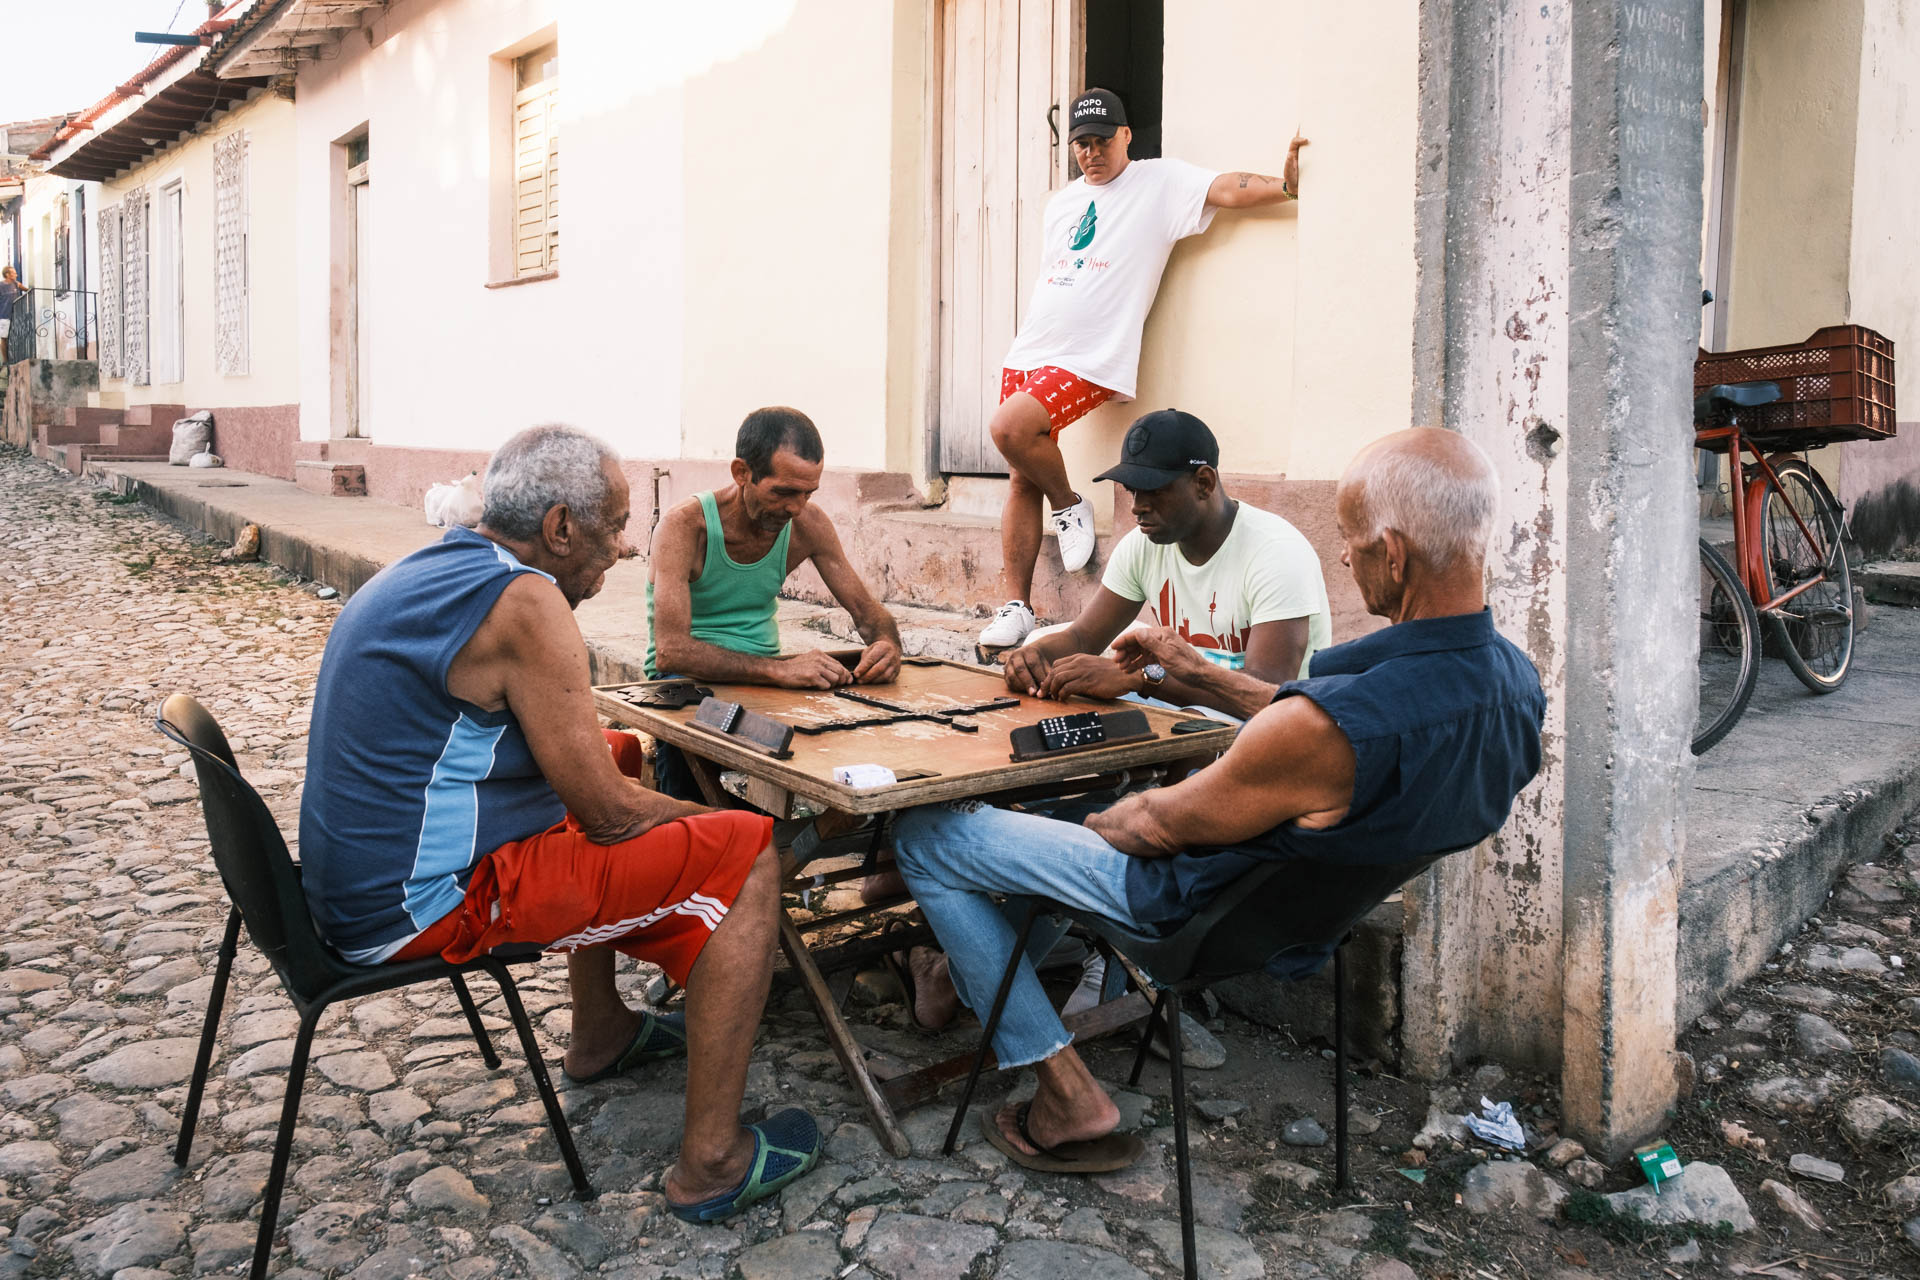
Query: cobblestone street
(412, 1158)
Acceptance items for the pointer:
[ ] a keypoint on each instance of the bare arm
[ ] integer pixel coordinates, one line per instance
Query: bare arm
(672, 566)
(1242, 190)
(529, 658)
(1193, 679)
(1290, 764)
(881, 661)
(1105, 616)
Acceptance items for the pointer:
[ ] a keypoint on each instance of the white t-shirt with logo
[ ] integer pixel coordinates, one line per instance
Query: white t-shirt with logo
(1266, 571)
(1104, 249)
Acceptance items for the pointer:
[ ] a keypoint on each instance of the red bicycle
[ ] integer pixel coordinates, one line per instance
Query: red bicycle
(1789, 533)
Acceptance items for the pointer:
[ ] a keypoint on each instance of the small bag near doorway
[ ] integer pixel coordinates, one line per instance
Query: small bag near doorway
(191, 434)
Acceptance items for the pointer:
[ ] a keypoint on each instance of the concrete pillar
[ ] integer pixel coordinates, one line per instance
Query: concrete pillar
(1558, 228)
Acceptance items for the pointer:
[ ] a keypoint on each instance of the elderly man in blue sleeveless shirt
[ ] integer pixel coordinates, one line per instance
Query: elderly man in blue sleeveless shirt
(1404, 743)
(461, 795)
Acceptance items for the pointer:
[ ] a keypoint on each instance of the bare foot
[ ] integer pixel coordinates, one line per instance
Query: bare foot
(1051, 1125)
(690, 1181)
(595, 1045)
(935, 999)
(882, 886)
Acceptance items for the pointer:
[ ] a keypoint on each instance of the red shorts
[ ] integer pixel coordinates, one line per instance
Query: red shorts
(1067, 397)
(657, 897)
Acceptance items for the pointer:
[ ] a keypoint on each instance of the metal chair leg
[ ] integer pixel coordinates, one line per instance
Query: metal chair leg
(1340, 1067)
(283, 1140)
(203, 1061)
(1176, 1054)
(993, 1025)
(1146, 1039)
(510, 992)
(480, 1035)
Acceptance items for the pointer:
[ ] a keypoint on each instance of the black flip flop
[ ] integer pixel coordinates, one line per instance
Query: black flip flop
(900, 965)
(662, 1035)
(1105, 1154)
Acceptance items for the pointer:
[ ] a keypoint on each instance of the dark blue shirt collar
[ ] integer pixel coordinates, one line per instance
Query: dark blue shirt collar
(1422, 635)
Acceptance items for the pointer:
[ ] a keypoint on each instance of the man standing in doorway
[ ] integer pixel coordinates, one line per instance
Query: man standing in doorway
(1105, 240)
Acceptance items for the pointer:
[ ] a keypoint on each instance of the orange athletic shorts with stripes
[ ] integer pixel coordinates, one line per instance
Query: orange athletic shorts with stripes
(657, 897)
(1067, 397)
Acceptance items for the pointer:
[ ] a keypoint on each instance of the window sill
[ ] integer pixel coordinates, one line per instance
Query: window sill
(535, 278)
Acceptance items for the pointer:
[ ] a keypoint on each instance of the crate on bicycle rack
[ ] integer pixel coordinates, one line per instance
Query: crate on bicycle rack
(1835, 386)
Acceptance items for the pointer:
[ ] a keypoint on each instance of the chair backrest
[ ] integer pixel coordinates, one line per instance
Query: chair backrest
(1302, 907)
(258, 872)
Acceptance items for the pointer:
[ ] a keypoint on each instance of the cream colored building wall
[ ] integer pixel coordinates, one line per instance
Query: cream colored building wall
(273, 354)
(1792, 205)
(790, 236)
(1288, 330)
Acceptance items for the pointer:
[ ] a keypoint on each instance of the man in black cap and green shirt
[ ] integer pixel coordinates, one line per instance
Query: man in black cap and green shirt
(1240, 585)
(1105, 239)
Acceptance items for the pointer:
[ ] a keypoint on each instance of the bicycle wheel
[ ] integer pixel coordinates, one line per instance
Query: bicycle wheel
(1729, 649)
(1816, 626)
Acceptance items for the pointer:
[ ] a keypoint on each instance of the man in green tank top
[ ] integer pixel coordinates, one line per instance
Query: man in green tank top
(720, 559)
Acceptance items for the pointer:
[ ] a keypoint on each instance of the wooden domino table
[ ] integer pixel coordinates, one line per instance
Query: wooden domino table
(936, 761)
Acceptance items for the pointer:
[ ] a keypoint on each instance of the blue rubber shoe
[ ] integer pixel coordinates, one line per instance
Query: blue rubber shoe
(784, 1147)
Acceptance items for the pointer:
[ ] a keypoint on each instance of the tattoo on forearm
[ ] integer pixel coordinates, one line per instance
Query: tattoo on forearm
(1245, 178)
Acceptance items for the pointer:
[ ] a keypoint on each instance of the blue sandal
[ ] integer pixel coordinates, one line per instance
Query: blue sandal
(784, 1147)
(661, 1035)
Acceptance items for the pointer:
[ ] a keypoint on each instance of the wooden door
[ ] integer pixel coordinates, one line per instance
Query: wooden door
(1010, 69)
(359, 302)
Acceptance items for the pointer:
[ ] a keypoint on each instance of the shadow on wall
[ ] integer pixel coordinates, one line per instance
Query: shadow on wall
(1888, 519)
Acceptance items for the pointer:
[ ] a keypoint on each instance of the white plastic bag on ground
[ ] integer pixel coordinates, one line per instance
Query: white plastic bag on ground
(206, 458)
(192, 434)
(451, 504)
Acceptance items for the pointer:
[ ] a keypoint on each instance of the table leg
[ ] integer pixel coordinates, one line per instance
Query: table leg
(845, 1047)
(707, 775)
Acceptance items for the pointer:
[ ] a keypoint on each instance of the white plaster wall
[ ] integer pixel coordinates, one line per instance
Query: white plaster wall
(274, 356)
(1883, 277)
(455, 364)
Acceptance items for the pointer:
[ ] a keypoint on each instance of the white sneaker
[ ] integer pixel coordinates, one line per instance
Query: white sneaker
(1011, 622)
(1074, 527)
(1093, 978)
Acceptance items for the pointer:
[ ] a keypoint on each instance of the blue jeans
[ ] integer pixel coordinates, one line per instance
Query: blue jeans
(957, 858)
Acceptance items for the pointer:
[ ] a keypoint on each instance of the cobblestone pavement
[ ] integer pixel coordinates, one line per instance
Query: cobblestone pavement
(412, 1158)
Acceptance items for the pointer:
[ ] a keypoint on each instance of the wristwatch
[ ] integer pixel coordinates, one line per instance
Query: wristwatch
(1153, 673)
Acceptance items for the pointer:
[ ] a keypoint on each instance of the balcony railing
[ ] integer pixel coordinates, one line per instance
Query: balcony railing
(53, 324)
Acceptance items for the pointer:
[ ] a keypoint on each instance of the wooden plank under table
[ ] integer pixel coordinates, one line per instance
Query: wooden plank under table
(956, 766)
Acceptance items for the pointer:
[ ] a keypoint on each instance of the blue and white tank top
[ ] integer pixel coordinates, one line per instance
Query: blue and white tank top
(407, 786)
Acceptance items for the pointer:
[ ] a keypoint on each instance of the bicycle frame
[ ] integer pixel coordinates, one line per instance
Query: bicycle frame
(1749, 509)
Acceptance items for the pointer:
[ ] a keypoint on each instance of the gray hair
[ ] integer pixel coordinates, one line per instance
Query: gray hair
(1442, 499)
(542, 468)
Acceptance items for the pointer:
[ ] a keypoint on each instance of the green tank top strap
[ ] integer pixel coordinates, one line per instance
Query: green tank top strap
(733, 605)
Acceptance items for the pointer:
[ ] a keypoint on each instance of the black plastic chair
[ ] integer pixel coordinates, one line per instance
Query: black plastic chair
(1296, 909)
(263, 884)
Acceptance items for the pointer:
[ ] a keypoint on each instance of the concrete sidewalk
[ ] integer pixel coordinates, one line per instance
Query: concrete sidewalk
(1801, 785)
(342, 542)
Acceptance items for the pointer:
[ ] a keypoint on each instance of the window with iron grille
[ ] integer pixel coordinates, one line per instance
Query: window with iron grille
(133, 285)
(113, 357)
(230, 259)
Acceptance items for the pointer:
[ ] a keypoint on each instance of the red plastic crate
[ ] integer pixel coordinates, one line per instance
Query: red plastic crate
(1837, 385)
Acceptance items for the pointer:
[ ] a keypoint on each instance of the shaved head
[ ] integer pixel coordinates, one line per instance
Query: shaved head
(1435, 488)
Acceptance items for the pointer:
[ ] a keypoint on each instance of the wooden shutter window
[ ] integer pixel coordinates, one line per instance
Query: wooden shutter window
(536, 162)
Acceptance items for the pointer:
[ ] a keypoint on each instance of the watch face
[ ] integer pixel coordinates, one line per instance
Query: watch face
(1154, 673)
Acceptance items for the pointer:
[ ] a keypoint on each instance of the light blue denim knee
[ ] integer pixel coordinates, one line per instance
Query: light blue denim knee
(958, 858)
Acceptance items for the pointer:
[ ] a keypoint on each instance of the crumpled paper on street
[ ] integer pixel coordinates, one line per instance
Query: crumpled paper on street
(1496, 1124)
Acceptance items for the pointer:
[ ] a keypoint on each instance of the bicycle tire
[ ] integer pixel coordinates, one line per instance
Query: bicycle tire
(1816, 628)
(1729, 650)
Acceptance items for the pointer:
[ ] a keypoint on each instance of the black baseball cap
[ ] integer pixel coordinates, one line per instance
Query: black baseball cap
(1098, 112)
(1161, 447)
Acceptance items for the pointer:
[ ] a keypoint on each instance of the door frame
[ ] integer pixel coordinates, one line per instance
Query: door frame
(359, 401)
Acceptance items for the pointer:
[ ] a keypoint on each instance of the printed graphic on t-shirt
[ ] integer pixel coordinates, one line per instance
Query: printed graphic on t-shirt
(1228, 649)
(1083, 233)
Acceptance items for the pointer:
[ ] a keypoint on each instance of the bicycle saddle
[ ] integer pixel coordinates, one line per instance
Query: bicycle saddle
(1745, 395)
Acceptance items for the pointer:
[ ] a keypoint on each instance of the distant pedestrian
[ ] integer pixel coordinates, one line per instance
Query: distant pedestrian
(1105, 239)
(11, 290)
